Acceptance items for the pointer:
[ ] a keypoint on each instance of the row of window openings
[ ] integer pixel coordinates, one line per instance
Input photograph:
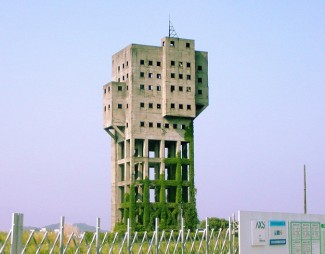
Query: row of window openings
(172, 105)
(123, 77)
(172, 44)
(172, 63)
(166, 125)
(172, 75)
(123, 65)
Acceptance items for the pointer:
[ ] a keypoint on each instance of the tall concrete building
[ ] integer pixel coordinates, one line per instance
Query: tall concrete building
(149, 107)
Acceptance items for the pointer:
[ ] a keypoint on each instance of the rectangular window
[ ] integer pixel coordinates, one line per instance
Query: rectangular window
(188, 45)
(188, 77)
(183, 126)
(118, 68)
(180, 106)
(158, 105)
(141, 62)
(172, 43)
(199, 91)
(158, 88)
(150, 87)
(141, 124)
(158, 125)
(188, 107)
(141, 74)
(150, 62)
(142, 87)
(141, 104)
(172, 88)
(188, 65)
(166, 125)
(158, 63)
(180, 64)
(188, 89)
(119, 88)
(105, 90)
(199, 80)
(172, 63)
(180, 76)
(199, 68)
(175, 125)
(159, 76)
(180, 89)
(150, 105)
(123, 77)
(172, 105)
(150, 75)
(119, 106)
(150, 124)
(127, 63)
(172, 75)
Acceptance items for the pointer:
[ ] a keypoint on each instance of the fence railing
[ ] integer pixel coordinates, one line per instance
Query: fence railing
(159, 241)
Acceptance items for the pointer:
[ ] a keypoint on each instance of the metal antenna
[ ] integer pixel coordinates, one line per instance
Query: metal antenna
(172, 31)
(305, 191)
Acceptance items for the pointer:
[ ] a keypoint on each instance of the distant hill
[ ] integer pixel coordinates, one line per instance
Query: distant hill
(82, 227)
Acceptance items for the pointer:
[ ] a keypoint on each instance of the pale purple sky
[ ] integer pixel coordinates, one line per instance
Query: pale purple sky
(266, 117)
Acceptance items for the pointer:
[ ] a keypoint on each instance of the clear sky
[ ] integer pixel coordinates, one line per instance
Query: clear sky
(266, 117)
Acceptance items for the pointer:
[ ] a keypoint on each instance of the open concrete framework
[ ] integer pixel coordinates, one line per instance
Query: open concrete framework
(148, 110)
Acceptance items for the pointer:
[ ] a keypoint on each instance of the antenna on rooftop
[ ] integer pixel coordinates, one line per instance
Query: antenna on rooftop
(172, 31)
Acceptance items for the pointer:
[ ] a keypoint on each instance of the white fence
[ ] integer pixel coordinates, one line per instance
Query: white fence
(159, 241)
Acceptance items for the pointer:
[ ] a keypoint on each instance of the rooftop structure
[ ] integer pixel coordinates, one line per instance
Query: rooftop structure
(149, 107)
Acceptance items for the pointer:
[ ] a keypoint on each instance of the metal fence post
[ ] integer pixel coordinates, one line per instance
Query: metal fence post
(97, 235)
(157, 235)
(17, 232)
(182, 232)
(206, 235)
(128, 237)
(61, 235)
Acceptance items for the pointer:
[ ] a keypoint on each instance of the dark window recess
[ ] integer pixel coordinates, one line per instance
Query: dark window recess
(159, 75)
(172, 88)
(127, 87)
(119, 88)
(123, 66)
(172, 75)
(123, 77)
(118, 68)
(105, 90)
(180, 64)
(158, 125)
(127, 75)
(199, 91)
(141, 104)
(158, 63)
(150, 62)
(150, 75)
(158, 105)
(199, 80)
(127, 63)
(150, 87)
(189, 107)
(141, 124)
(109, 106)
(158, 88)
(166, 125)
(183, 126)
(142, 62)
(150, 124)
(180, 76)
(109, 88)
(188, 89)
(172, 63)
(104, 108)
(141, 74)
(150, 105)
(188, 65)
(141, 87)
(172, 105)
(119, 106)
(188, 77)
(199, 68)
(188, 45)
(180, 89)
(172, 43)
(175, 125)
(127, 125)
(180, 106)
(127, 105)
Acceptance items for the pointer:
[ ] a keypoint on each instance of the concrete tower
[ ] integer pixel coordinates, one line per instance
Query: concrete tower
(148, 110)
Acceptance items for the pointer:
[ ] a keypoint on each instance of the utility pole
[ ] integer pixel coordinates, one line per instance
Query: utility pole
(305, 190)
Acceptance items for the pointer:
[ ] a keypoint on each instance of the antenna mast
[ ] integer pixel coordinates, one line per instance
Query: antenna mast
(305, 191)
(172, 31)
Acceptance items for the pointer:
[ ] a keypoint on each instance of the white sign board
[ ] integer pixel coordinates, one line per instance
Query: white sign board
(281, 233)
